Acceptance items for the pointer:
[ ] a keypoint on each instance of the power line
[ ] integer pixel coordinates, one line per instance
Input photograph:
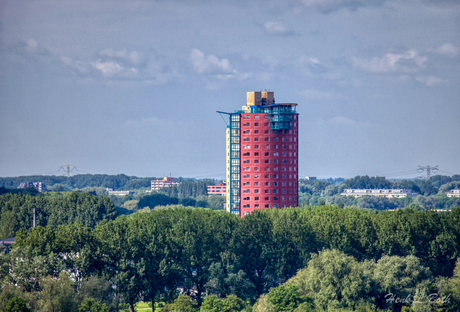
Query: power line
(428, 171)
(68, 170)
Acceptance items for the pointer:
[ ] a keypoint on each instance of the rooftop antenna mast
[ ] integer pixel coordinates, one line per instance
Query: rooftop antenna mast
(67, 169)
(429, 170)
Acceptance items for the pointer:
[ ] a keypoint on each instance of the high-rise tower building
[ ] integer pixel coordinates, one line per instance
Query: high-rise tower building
(262, 155)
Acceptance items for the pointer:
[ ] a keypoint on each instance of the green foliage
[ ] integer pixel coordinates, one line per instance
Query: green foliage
(333, 280)
(57, 294)
(149, 255)
(285, 298)
(17, 304)
(183, 304)
(366, 182)
(17, 211)
(187, 202)
(398, 277)
(313, 187)
(212, 304)
(91, 305)
(216, 202)
(157, 199)
(263, 305)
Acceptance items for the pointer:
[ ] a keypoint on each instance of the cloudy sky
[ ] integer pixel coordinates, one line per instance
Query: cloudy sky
(114, 86)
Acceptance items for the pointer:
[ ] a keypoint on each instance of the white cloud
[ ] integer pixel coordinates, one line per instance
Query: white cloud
(430, 81)
(314, 60)
(448, 49)
(33, 47)
(277, 29)
(210, 64)
(78, 66)
(133, 58)
(407, 62)
(327, 6)
(108, 68)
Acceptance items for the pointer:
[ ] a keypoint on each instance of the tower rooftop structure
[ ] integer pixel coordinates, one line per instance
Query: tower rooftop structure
(262, 155)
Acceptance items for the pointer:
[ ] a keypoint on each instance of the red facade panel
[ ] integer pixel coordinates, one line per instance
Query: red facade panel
(269, 164)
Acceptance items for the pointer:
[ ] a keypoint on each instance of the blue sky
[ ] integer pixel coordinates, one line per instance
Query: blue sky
(132, 87)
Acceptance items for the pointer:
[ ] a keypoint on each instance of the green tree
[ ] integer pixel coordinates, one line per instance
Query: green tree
(285, 298)
(233, 304)
(17, 304)
(57, 295)
(398, 277)
(187, 202)
(254, 249)
(212, 304)
(91, 305)
(196, 248)
(333, 280)
(183, 304)
(157, 199)
(121, 252)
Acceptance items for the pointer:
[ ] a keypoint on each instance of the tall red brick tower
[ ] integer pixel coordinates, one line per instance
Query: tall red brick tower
(262, 155)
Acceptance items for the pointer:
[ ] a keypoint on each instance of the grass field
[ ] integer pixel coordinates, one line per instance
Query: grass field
(143, 306)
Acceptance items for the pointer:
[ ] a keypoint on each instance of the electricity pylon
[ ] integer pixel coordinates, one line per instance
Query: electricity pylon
(67, 169)
(428, 169)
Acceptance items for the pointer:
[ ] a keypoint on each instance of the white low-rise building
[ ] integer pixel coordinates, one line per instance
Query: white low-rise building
(388, 193)
(453, 193)
(121, 193)
(166, 182)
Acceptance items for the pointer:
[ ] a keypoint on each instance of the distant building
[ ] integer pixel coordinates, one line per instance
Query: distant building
(310, 178)
(388, 193)
(218, 189)
(121, 193)
(40, 186)
(165, 182)
(453, 193)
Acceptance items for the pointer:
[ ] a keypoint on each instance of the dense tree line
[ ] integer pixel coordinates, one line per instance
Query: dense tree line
(148, 256)
(80, 181)
(432, 193)
(116, 182)
(17, 211)
(335, 281)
